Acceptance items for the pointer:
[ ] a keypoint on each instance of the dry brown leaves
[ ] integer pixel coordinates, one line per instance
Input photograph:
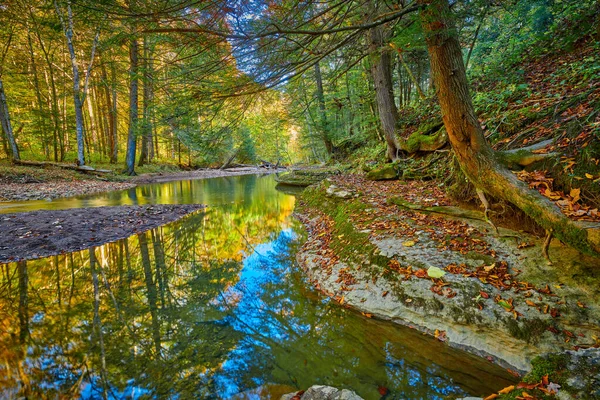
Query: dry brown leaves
(570, 204)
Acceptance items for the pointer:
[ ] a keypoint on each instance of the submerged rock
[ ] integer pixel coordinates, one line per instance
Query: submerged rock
(318, 392)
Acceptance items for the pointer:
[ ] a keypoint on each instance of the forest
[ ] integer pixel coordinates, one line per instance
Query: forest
(435, 139)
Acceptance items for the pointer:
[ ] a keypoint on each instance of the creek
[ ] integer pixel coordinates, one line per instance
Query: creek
(210, 306)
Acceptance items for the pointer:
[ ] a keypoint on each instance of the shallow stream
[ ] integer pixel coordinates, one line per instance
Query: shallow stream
(211, 306)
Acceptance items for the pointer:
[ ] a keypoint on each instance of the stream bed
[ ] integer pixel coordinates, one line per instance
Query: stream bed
(211, 306)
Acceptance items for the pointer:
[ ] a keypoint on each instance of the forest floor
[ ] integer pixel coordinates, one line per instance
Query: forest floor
(18, 183)
(45, 233)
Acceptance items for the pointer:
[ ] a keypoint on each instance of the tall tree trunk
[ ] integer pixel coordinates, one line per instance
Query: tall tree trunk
(114, 115)
(381, 71)
(133, 107)
(476, 157)
(77, 96)
(6, 125)
(324, 126)
(146, 128)
(56, 134)
(38, 95)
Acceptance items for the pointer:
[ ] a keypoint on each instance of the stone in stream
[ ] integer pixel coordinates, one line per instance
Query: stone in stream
(318, 392)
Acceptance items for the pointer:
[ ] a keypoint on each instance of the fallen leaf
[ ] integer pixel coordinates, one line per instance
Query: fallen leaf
(507, 389)
(383, 390)
(575, 195)
(505, 305)
(492, 397)
(435, 272)
(409, 243)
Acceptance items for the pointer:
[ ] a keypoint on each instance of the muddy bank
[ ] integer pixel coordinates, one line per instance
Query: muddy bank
(201, 174)
(455, 279)
(44, 233)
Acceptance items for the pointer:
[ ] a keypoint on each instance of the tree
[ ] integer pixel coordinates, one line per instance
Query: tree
(6, 125)
(4, 112)
(476, 157)
(133, 106)
(78, 93)
(381, 71)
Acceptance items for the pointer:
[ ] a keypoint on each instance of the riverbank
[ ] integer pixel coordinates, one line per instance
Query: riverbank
(18, 183)
(45, 233)
(455, 279)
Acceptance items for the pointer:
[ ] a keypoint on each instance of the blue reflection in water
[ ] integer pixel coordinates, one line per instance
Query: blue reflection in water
(266, 265)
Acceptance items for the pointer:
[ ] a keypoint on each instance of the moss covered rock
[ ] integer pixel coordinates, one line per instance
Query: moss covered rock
(387, 172)
(305, 177)
(425, 140)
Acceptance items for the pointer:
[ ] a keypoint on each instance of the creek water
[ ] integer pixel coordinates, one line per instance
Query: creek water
(211, 306)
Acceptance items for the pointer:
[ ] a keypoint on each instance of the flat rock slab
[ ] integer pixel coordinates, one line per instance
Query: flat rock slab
(44, 233)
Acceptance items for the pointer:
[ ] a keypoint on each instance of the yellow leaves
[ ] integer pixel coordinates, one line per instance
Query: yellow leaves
(552, 195)
(507, 389)
(409, 243)
(589, 176)
(492, 397)
(575, 195)
(488, 268)
(440, 335)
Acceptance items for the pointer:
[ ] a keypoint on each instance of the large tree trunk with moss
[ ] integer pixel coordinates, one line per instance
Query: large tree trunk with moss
(476, 157)
(381, 71)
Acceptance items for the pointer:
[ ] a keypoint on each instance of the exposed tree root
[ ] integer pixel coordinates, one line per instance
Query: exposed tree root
(486, 206)
(525, 156)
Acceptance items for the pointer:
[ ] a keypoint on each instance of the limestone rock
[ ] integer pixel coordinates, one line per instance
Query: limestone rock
(336, 191)
(319, 392)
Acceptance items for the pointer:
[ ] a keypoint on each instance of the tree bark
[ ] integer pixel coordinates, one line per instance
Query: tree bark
(77, 101)
(381, 64)
(476, 157)
(146, 145)
(6, 125)
(324, 126)
(133, 107)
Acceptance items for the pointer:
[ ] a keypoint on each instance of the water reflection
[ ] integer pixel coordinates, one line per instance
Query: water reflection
(208, 307)
(212, 191)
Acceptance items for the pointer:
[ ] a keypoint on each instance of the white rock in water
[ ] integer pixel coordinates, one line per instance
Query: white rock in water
(319, 392)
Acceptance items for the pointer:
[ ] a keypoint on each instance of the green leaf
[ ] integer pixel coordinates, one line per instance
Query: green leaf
(435, 272)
